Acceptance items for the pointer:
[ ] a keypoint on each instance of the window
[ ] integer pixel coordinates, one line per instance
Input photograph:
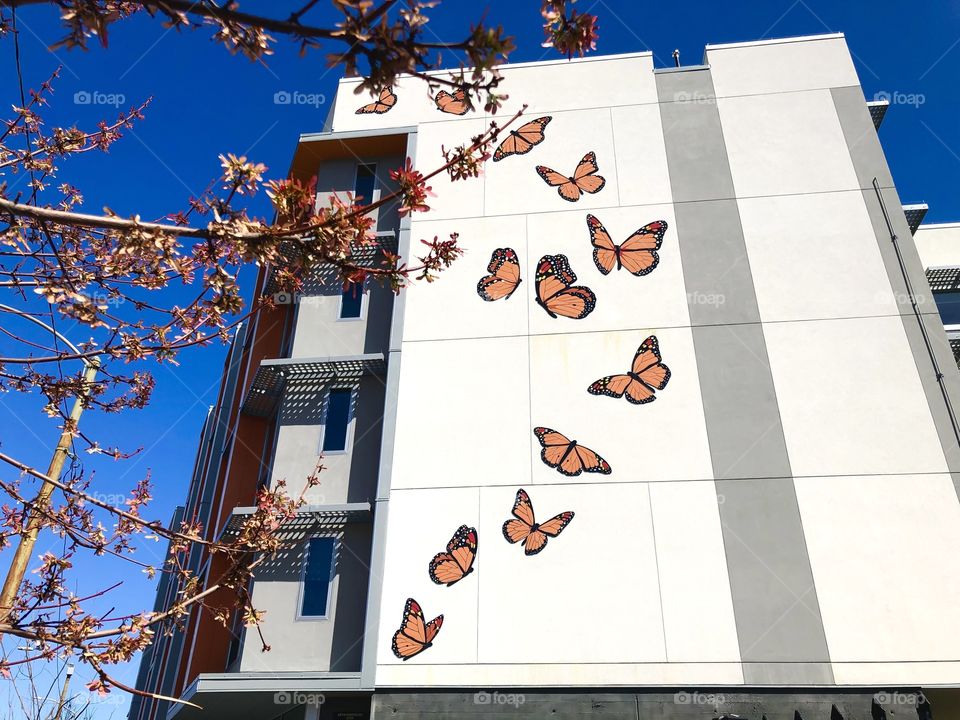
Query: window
(365, 183)
(948, 303)
(337, 420)
(351, 301)
(317, 576)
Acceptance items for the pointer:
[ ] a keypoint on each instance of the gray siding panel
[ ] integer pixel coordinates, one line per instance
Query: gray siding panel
(779, 627)
(869, 161)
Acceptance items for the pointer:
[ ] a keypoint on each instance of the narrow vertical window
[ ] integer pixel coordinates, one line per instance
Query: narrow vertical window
(317, 576)
(351, 301)
(365, 183)
(337, 420)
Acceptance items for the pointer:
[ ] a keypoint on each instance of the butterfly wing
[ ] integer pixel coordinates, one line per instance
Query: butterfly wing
(611, 386)
(604, 249)
(515, 531)
(432, 628)
(565, 186)
(414, 635)
(510, 146)
(455, 104)
(504, 277)
(535, 542)
(575, 303)
(590, 461)
(523, 507)
(554, 292)
(555, 525)
(383, 104)
(520, 528)
(522, 140)
(653, 374)
(585, 177)
(569, 191)
(638, 253)
(451, 566)
(556, 448)
(582, 459)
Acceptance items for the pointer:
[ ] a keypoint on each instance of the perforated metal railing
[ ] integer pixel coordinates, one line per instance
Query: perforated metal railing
(944, 279)
(308, 520)
(878, 110)
(301, 380)
(327, 274)
(915, 215)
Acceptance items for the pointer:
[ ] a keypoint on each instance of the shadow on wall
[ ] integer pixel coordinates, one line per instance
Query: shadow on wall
(351, 574)
(367, 435)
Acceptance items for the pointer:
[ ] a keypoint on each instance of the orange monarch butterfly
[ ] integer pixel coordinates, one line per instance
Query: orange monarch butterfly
(384, 104)
(525, 528)
(523, 139)
(645, 375)
(456, 563)
(556, 292)
(638, 253)
(504, 277)
(414, 635)
(584, 178)
(567, 456)
(455, 104)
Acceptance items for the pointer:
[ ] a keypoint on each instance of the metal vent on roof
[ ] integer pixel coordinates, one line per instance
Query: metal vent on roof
(878, 111)
(361, 254)
(302, 383)
(944, 279)
(915, 215)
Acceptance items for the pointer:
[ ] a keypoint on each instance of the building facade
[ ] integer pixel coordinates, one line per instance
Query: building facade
(735, 425)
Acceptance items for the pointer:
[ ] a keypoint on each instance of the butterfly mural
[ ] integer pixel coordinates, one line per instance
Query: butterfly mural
(453, 103)
(523, 139)
(415, 635)
(450, 567)
(637, 254)
(383, 104)
(583, 180)
(637, 385)
(504, 277)
(524, 527)
(556, 293)
(568, 456)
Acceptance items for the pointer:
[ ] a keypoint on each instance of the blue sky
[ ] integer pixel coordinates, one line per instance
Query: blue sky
(206, 102)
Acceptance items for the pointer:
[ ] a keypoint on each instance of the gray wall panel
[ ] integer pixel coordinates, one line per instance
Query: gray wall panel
(779, 627)
(869, 161)
(861, 136)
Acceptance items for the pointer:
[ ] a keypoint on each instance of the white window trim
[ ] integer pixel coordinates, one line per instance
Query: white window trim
(348, 441)
(303, 578)
(364, 293)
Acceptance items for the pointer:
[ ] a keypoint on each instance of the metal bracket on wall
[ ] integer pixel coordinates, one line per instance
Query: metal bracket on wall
(917, 314)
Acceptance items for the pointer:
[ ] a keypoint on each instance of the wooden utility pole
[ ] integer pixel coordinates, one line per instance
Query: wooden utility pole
(28, 539)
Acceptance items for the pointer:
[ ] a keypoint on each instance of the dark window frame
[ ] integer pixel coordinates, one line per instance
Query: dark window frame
(306, 583)
(366, 174)
(359, 291)
(347, 432)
